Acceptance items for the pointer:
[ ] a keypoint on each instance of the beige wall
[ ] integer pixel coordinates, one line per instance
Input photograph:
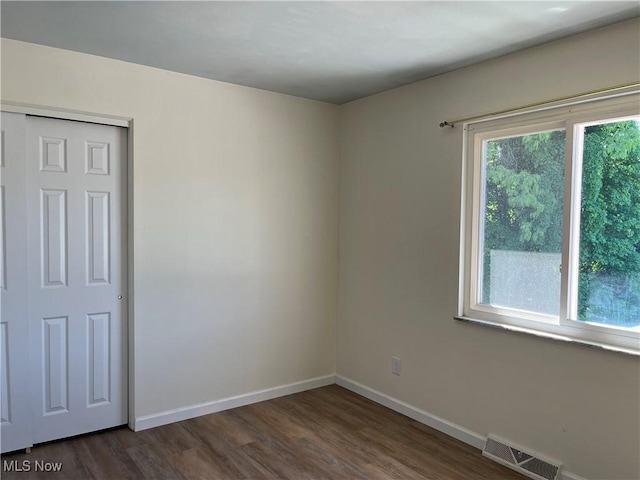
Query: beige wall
(235, 222)
(399, 244)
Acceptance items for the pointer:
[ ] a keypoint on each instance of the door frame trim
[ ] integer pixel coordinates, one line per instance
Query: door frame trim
(65, 114)
(117, 121)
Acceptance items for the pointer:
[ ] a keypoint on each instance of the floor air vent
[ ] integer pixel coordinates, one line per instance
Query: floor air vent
(527, 463)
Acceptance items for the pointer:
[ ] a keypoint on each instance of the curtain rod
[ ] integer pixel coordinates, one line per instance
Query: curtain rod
(452, 123)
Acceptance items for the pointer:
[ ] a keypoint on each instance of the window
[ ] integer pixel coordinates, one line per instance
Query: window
(551, 222)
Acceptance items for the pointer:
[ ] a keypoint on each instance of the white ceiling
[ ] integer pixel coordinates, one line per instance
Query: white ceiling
(324, 50)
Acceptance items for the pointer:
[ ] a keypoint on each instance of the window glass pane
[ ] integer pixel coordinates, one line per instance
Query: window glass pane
(609, 269)
(521, 235)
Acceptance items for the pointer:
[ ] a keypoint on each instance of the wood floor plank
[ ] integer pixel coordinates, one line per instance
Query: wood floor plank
(385, 467)
(414, 458)
(150, 460)
(262, 463)
(73, 468)
(334, 462)
(447, 450)
(205, 431)
(324, 434)
(105, 459)
(173, 438)
(222, 426)
(278, 419)
(196, 463)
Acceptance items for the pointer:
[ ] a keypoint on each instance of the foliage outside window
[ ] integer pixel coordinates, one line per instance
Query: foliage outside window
(609, 288)
(553, 223)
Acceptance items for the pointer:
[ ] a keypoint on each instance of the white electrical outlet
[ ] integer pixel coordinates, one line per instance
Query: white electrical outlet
(396, 365)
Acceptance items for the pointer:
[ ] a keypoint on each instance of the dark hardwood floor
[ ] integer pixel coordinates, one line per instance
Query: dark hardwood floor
(326, 433)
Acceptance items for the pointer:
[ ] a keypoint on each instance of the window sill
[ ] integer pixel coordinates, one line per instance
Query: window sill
(559, 338)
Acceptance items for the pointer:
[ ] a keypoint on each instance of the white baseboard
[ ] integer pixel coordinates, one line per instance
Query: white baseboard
(433, 421)
(185, 413)
(449, 428)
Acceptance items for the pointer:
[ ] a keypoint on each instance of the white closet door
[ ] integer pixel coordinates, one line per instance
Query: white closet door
(15, 413)
(76, 203)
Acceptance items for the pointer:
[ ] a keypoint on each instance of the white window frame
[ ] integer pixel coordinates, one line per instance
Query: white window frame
(572, 119)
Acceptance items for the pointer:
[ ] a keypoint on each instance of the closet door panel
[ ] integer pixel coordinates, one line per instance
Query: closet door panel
(15, 412)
